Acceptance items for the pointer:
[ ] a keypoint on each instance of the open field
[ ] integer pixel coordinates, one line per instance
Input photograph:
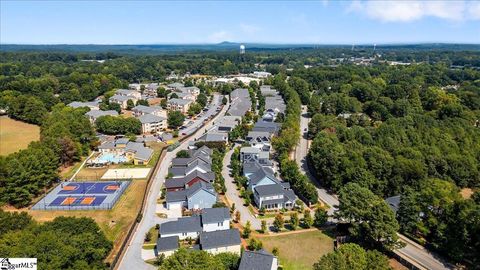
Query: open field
(16, 135)
(299, 250)
(115, 222)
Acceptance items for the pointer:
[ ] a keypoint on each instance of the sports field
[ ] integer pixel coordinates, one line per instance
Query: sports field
(114, 222)
(16, 135)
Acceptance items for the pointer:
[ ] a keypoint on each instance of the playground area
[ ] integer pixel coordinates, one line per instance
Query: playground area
(83, 196)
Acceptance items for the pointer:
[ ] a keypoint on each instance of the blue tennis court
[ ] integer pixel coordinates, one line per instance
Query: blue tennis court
(90, 188)
(83, 196)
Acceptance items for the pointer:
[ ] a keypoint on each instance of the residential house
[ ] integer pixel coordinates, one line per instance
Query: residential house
(140, 110)
(240, 102)
(196, 165)
(151, 90)
(258, 260)
(215, 219)
(175, 86)
(227, 123)
(93, 115)
(198, 196)
(261, 177)
(185, 162)
(261, 74)
(212, 136)
(166, 246)
(220, 241)
(152, 123)
(393, 202)
(174, 184)
(270, 127)
(183, 228)
(209, 219)
(250, 153)
(274, 196)
(259, 139)
(177, 104)
(251, 167)
(184, 95)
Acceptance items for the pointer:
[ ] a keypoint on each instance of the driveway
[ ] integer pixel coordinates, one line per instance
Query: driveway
(234, 195)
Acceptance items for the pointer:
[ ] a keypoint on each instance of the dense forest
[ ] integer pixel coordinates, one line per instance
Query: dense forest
(64, 243)
(410, 131)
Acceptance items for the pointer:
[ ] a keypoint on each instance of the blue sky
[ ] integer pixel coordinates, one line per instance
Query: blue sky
(161, 22)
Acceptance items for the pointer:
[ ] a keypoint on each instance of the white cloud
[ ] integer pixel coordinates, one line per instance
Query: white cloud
(249, 28)
(406, 11)
(219, 36)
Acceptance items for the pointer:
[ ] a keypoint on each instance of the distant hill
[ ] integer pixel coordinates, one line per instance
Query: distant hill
(224, 46)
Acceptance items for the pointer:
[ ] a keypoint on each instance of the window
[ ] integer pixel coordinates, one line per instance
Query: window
(220, 224)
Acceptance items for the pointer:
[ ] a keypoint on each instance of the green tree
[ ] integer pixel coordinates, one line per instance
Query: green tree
(202, 99)
(175, 119)
(246, 230)
(224, 100)
(278, 222)
(352, 257)
(184, 259)
(130, 104)
(255, 244)
(320, 217)
(372, 220)
(264, 226)
(307, 218)
(294, 220)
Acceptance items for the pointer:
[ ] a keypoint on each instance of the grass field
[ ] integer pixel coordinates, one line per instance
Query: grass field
(299, 251)
(16, 135)
(115, 222)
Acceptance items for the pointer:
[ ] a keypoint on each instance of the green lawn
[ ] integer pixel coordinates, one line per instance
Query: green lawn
(299, 251)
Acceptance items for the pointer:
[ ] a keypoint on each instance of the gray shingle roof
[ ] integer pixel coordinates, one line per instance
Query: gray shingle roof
(269, 190)
(393, 202)
(182, 162)
(183, 171)
(215, 215)
(213, 137)
(256, 260)
(270, 127)
(97, 113)
(176, 196)
(223, 238)
(120, 98)
(185, 224)
(166, 244)
(125, 92)
(150, 118)
(146, 109)
(141, 152)
(179, 101)
(180, 182)
(259, 175)
(200, 186)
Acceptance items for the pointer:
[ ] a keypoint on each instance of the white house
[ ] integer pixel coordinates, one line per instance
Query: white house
(140, 110)
(177, 104)
(220, 241)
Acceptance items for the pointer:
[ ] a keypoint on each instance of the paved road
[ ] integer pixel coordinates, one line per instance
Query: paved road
(234, 196)
(411, 252)
(216, 102)
(132, 258)
(301, 152)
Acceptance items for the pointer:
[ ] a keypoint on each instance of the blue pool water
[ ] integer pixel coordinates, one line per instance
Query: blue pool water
(108, 157)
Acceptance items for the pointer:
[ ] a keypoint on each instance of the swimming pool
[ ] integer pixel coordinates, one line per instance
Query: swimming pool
(111, 158)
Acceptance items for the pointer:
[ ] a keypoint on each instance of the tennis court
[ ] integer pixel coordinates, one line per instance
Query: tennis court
(83, 196)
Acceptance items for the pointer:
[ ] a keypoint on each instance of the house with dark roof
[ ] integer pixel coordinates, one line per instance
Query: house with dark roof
(214, 219)
(174, 184)
(213, 136)
(270, 127)
(209, 219)
(220, 241)
(259, 139)
(261, 177)
(185, 162)
(185, 227)
(393, 202)
(258, 260)
(198, 196)
(166, 246)
(196, 165)
(275, 196)
(251, 167)
(250, 154)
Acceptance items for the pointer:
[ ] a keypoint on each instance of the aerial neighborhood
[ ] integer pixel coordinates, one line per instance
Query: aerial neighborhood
(239, 156)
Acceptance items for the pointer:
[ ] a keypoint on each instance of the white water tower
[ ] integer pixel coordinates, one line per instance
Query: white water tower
(242, 49)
